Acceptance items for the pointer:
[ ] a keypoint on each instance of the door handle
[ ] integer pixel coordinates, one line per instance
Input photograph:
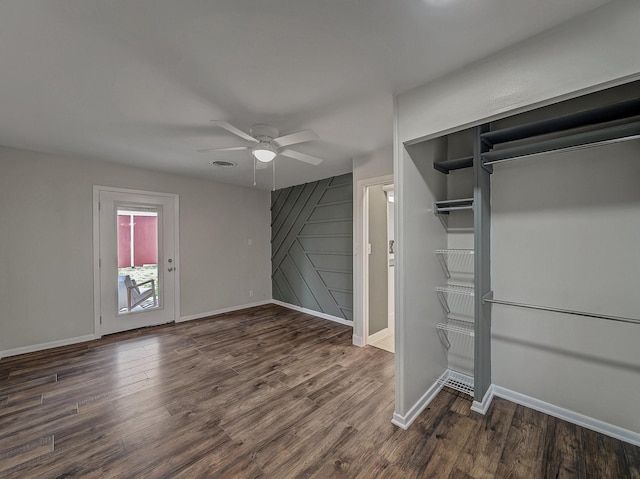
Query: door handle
(170, 269)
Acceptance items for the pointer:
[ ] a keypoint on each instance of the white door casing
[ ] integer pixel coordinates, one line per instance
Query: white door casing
(106, 201)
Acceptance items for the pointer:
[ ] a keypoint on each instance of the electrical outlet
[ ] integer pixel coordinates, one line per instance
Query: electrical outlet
(251, 293)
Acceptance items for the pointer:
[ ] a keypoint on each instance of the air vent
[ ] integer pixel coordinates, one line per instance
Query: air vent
(222, 164)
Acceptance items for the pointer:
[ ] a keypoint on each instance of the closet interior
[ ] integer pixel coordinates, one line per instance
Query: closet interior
(456, 326)
(558, 158)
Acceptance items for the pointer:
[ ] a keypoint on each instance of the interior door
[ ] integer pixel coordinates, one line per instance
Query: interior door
(136, 260)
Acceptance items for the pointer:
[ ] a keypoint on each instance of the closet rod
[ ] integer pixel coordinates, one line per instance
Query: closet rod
(561, 150)
(564, 311)
(453, 208)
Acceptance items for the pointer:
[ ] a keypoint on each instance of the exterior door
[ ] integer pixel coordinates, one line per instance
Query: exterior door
(136, 271)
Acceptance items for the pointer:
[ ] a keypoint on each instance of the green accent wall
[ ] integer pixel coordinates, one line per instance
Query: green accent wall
(312, 246)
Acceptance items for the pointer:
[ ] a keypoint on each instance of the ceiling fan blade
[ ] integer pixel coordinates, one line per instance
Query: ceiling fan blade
(231, 148)
(236, 131)
(296, 155)
(293, 138)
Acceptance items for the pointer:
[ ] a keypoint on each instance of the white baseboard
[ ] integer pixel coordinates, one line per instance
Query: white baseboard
(41, 347)
(314, 313)
(573, 417)
(483, 406)
(570, 416)
(405, 421)
(90, 337)
(221, 311)
(378, 336)
(358, 341)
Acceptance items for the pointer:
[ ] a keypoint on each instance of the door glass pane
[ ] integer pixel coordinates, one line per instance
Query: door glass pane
(138, 288)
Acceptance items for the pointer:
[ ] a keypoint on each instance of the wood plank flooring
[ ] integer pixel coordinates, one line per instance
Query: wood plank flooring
(265, 393)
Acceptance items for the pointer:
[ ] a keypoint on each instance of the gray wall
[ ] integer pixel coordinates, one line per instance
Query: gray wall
(46, 243)
(378, 262)
(565, 233)
(312, 244)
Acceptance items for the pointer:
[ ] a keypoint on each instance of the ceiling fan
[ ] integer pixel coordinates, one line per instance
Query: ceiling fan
(268, 144)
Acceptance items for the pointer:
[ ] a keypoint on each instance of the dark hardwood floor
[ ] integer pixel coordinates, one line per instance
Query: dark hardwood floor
(265, 393)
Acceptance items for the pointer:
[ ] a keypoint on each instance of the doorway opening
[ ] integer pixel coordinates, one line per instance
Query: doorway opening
(379, 318)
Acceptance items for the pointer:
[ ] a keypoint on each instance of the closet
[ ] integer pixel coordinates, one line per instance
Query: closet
(565, 225)
(455, 293)
(537, 218)
(562, 137)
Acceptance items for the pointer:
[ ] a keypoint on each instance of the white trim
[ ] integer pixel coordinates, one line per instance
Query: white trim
(483, 406)
(97, 328)
(97, 296)
(570, 416)
(314, 313)
(399, 329)
(364, 258)
(176, 255)
(378, 336)
(358, 341)
(573, 417)
(42, 346)
(230, 309)
(405, 421)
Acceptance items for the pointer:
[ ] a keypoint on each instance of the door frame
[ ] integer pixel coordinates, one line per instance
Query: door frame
(361, 263)
(97, 189)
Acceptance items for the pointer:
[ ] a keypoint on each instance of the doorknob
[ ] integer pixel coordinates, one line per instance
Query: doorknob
(170, 269)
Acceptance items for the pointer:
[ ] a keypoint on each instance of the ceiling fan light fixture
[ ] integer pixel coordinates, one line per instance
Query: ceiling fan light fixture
(264, 152)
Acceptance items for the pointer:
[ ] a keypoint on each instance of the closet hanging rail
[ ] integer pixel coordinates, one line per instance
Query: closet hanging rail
(561, 150)
(594, 116)
(564, 311)
(603, 136)
(443, 207)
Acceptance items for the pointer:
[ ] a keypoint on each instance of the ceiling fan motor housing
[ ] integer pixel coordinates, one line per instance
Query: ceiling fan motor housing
(264, 133)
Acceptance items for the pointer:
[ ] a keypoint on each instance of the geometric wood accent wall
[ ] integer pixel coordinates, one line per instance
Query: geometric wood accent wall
(312, 245)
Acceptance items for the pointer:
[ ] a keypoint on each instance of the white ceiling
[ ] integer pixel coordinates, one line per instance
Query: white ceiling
(136, 82)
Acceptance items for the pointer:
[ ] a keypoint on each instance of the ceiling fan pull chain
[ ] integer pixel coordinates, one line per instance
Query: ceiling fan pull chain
(273, 168)
(254, 171)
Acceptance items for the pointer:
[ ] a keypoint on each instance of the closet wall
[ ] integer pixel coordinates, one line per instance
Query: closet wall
(419, 232)
(566, 233)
